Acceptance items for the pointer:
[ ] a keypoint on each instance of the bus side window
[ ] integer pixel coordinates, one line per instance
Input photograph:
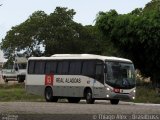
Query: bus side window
(88, 68)
(75, 68)
(31, 67)
(63, 67)
(39, 67)
(51, 67)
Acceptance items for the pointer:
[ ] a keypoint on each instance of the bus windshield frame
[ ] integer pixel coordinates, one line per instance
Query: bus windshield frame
(120, 74)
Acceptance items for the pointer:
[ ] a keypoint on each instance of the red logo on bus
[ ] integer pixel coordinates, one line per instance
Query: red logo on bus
(49, 79)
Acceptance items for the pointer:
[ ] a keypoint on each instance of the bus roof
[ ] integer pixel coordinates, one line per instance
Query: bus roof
(80, 56)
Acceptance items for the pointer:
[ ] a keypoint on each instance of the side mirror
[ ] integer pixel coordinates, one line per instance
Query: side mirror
(16, 69)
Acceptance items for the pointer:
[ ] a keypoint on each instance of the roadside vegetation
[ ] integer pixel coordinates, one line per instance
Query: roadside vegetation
(16, 92)
(145, 94)
(145, 90)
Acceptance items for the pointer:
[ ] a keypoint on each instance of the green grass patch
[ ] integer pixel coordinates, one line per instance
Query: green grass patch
(17, 92)
(146, 95)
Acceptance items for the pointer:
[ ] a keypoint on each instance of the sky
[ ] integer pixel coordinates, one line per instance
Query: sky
(14, 12)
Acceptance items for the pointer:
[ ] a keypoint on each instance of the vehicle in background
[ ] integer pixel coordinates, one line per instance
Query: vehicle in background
(14, 70)
(81, 76)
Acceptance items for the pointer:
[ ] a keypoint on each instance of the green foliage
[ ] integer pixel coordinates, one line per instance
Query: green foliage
(146, 95)
(17, 92)
(25, 36)
(136, 35)
(57, 33)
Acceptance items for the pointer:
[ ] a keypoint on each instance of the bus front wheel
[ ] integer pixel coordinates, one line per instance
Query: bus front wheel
(114, 101)
(49, 95)
(88, 96)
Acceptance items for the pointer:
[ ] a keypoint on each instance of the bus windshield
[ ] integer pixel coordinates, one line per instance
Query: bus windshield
(120, 75)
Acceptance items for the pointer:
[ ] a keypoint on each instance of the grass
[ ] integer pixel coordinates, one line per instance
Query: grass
(146, 95)
(16, 92)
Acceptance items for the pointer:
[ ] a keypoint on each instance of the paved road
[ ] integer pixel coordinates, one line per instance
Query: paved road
(101, 110)
(80, 108)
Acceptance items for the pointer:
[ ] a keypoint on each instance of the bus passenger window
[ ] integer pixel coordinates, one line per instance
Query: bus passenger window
(51, 67)
(88, 68)
(75, 68)
(39, 67)
(63, 67)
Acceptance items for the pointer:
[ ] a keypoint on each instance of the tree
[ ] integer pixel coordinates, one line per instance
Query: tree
(61, 32)
(57, 33)
(26, 36)
(136, 35)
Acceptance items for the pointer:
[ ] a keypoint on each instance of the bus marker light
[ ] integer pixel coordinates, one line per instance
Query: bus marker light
(116, 90)
(49, 80)
(107, 96)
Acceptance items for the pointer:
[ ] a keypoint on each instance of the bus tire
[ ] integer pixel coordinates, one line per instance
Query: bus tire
(5, 80)
(114, 101)
(49, 95)
(88, 96)
(74, 100)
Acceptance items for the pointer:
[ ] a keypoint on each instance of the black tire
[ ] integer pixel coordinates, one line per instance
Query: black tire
(88, 96)
(49, 95)
(5, 80)
(19, 79)
(74, 100)
(114, 101)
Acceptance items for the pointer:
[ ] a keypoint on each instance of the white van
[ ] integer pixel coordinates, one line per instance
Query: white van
(15, 71)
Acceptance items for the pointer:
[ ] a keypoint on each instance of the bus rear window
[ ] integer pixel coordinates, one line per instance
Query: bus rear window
(31, 67)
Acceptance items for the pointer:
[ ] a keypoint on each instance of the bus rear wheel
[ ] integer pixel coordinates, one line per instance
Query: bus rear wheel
(114, 101)
(74, 100)
(89, 98)
(49, 95)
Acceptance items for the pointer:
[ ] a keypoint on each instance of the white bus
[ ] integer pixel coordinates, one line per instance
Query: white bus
(81, 76)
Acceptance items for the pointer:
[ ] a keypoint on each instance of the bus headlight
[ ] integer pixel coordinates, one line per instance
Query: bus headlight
(133, 93)
(108, 89)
